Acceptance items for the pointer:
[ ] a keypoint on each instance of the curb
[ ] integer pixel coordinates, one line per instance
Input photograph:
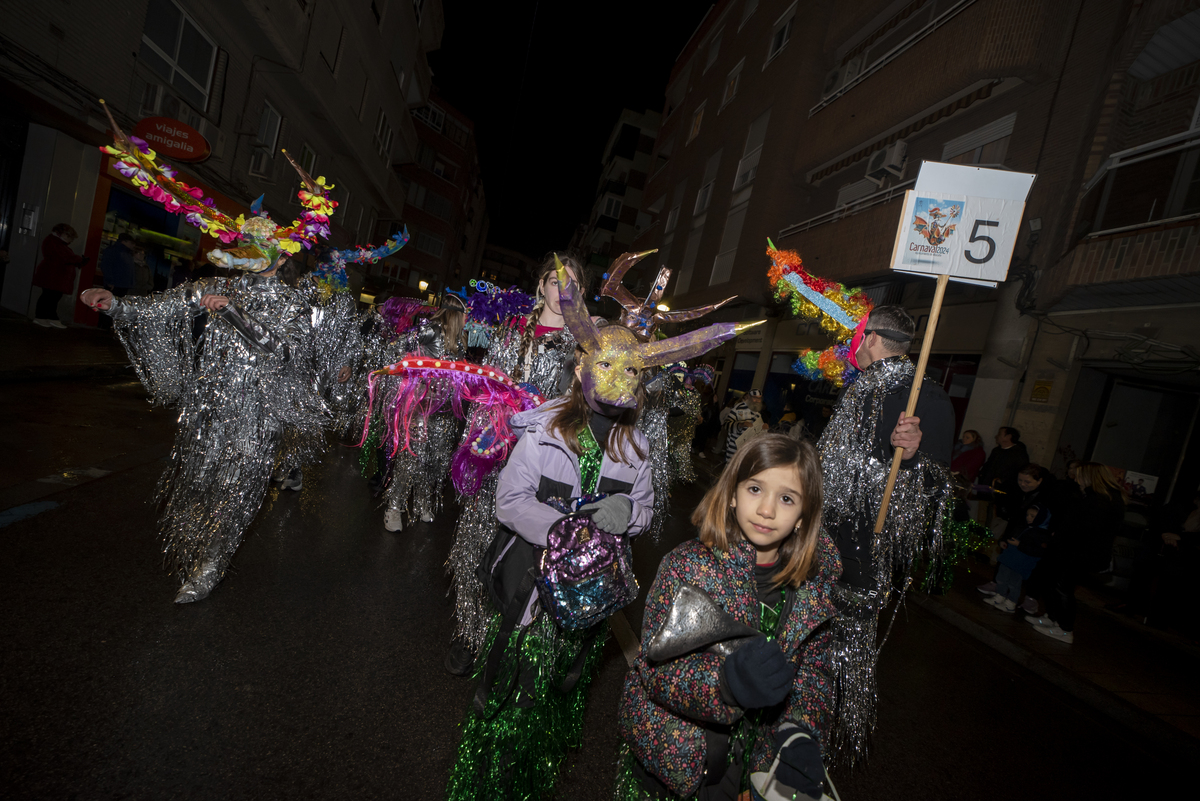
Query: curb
(64, 372)
(1137, 721)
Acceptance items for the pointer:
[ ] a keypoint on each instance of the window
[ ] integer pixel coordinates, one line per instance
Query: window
(748, 166)
(672, 219)
(456, 132)
(443, 170)
(150, 99)
(688, 264)
(432, 116)
(178, 51)
(731, 83)
(747, 11)
(331, 48)
(383, 136)
(430, 243)
(714, 48)
(308, 159)
(985, 145)
(612, 207)
(782, 32)
(723, 263)
(697, 118)
(263, 158)
(703, 197)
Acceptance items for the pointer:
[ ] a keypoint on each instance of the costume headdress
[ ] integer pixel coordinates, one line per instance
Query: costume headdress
(839, 311)
(610, 350)
(644, 318)
(330, 273)
(261, 242)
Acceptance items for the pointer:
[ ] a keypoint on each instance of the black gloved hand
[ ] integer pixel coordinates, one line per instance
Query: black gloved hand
(757, 675)
(800, 764)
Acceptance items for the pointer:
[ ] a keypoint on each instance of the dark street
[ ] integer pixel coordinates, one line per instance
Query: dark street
(314, 670)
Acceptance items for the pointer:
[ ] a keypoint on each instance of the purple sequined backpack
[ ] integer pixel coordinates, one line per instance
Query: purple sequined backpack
(585, 573)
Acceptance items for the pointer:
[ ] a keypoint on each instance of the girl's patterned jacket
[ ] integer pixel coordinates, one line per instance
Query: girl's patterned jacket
(665, 707)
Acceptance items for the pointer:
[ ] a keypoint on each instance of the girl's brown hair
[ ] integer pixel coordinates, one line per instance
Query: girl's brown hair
(548, 267)
(453, 318)
(717, 521)
(576, 413)
(1099, 478)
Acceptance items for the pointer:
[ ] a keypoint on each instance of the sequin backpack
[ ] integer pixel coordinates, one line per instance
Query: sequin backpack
(585, 573)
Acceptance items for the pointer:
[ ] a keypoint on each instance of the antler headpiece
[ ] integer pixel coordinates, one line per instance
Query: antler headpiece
(262, 241)
(610, 352)
(644, 318)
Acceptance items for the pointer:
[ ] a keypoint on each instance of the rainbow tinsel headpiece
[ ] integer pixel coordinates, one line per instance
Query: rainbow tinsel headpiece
(838, 310)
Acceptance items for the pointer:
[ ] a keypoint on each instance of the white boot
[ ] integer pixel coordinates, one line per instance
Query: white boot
(393, 520)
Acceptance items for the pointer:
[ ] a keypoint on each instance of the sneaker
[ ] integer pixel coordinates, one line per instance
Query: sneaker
(1041, 620)
(1030, 605)
(987, 589)
(1057, 633)
(393, 520)
(1007, 606)
(426, 517)
(459, 659)
(57, 324)
(42, 323)
(995, 600)
(293, 481)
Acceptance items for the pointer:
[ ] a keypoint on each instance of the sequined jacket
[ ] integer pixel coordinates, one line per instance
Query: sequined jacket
(667, 708)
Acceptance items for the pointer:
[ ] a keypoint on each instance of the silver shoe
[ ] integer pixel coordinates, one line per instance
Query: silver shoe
(200, 584)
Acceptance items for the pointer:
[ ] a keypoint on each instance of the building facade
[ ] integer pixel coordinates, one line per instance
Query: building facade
(806, 122)
(618, 214)
(505, 267)
(447, 212)
(332, 83)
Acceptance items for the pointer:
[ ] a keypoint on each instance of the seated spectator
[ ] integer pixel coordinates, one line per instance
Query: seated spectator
(1019, 557)
(968, 456)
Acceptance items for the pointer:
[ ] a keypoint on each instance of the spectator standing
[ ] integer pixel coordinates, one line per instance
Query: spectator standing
(116, 265)
(1004, 462)
(744, 414)
(55, 274)
(1089, 520)
(968, 456)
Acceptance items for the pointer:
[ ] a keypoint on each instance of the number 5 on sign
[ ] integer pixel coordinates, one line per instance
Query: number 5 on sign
(961, 222)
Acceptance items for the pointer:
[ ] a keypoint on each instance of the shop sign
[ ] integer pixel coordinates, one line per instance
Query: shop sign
(172, 139)
(1040, 393)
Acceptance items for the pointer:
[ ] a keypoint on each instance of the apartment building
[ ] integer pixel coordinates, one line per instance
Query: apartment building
(806, 122)
(505, 267)
(234, 82)
(618, 215)
(447, 212)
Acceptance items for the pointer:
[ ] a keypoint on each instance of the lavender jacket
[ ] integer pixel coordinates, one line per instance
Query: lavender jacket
(541, 466)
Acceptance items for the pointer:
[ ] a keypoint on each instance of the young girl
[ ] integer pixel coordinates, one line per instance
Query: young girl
(1019, 557)
(691, 724)
(538, 350)
(568, 448)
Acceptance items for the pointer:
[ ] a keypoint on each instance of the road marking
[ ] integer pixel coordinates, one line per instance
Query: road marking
(9, 516)
(625, 636)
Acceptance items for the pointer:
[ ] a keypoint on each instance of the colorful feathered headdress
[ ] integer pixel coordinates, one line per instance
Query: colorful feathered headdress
(330, 273)
(260, 241)
(839, 311)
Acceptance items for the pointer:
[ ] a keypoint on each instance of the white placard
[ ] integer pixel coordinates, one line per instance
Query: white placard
(961, 221)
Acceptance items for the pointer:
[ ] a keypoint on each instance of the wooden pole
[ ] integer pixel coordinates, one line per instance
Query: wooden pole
(914, 394)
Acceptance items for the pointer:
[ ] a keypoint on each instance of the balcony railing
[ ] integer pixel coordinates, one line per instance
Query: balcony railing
(854, 207)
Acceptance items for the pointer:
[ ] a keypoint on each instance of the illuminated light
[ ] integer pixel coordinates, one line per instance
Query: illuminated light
(662, 307)
(422, 285)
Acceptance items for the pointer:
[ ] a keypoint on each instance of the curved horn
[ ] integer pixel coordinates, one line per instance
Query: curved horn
(692, 344)
(309, 183)
(574, 312)
(613, 288)
(684, 315)
(656, 291)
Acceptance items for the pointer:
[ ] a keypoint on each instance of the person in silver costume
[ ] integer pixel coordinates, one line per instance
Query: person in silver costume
(537, 350)
(239, 386)
(421, 465)
(856, 453)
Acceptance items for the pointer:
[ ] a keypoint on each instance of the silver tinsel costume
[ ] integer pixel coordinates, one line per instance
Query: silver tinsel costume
(653, 423)
(421, 462)
(244, 382)
(547, 367)
(855, 475)
(684, 401)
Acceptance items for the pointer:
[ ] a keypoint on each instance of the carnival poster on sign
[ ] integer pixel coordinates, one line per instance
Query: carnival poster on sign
(962, 222)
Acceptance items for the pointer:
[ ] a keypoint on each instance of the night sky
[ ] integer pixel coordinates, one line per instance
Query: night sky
(541, 126)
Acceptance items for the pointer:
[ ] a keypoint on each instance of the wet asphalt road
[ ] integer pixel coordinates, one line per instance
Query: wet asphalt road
(314, 670)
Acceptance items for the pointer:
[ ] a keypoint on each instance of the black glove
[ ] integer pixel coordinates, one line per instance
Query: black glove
(757, 675)
(611, 514)
(800, 764)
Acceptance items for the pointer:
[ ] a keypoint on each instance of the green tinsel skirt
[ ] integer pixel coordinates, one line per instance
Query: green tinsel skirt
(515, 751)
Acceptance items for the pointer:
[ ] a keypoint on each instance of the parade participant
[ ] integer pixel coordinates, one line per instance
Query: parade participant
(694, 711)
(571, 451)
(244, 381)
(420, 461)
(856, 454)
(742, 416)
(536, 350)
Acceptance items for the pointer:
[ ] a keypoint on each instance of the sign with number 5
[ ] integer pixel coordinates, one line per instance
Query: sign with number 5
(962, 222)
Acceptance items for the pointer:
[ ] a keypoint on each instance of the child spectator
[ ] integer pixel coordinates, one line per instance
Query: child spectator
(1020, 555)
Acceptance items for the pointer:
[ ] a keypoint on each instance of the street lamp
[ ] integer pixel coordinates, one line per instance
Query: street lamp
(423, 285)
(663, 307)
